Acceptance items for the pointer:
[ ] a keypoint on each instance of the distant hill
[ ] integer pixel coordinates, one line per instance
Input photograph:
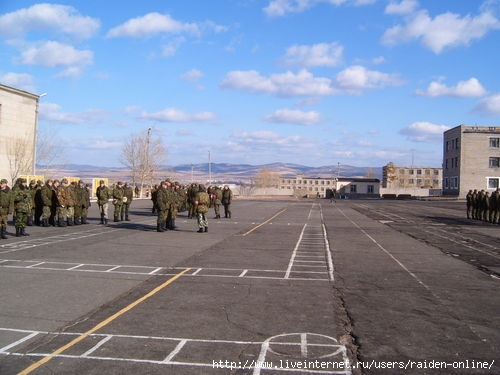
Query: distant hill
(220, 172)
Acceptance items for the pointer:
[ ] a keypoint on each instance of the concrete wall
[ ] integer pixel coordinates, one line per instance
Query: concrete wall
(18, 116)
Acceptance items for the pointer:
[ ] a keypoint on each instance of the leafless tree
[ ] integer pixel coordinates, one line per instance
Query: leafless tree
(267, 178)
(20, 157)
(143, 156)
(49, 149)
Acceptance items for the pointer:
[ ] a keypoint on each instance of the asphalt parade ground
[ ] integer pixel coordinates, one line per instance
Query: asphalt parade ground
(283, 287)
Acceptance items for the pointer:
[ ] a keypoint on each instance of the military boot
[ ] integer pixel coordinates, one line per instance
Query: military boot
(159, 228)
(3, 233)
(23, 232)
(18, 231)
(102, 218)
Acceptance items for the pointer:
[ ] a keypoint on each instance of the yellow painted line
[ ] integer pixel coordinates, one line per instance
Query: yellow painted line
(265, 222)
(105, 322)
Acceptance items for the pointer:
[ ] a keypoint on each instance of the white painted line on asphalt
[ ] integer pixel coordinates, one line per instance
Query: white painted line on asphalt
(174, 352)
(243, 273)
(75, 267)
(290, 264)
(97, 346)
(155, 271)
(16, 343)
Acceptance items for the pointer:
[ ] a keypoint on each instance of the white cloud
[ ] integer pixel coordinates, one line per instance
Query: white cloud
(444, 31)
(294, 117)
(152, 24)
(192, 75)
(286, 84)
(53, 113)
(175, 115)
(489, 106)
(402, 7)
(20, 81)
(51, 54)
(424, 132)
(321, 54)
(463, 89)
(51, 17)
(279, 8)
(357, 78)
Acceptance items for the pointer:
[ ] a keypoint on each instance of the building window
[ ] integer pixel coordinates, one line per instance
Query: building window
(436, 172)
(457, 143)
(446, 183)
(495, 142)
(419, 171)
(493, 182)
(354, 188)
(411, 181)
(454, 182)
(410, 171)
(419, 181)
(494, 162)
(370, 189)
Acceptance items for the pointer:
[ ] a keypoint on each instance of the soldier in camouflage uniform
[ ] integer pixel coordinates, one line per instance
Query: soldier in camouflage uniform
(86, 204)
(216, 195)
(162, 206)
(6, 207)
(22, 207)
(118, 201)
(191, 196)
(80, 200)
(227, 198)
(128, 193)
(38, 202)
(46, 193)
(64, 199)
(202, 202)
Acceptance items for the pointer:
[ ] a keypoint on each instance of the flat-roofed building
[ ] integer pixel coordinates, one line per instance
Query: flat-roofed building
(471, 159)
(18, 119)
(323, 187)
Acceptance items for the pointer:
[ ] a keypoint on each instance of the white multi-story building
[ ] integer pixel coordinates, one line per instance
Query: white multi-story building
(18, 120)
(471, 159)
(324, 187)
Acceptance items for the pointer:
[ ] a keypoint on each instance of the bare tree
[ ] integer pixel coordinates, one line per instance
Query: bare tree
(20, 157)
(48, 150)
(143, 156)
(267, 178)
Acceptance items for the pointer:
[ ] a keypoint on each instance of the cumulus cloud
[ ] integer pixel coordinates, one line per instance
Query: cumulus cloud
(53, 113)
(446, 30)
(294, 117)
(48, 17)
(287, 84)
(192, 75)
(402, 7)
(321, 54)
(176, 115)
(463, 89)
(489, 106)
(153, 24)
(280, 8)
(424, 132)
(357, 78)
(51, 54)
(21, 81)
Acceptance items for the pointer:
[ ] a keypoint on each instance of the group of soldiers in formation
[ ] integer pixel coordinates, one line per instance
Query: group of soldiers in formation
(53, 203)
(169, 198)
(60, 203)
(481, 205)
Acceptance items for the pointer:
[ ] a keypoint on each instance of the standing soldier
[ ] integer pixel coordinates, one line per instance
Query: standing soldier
(154, 198)
(38, 202)
(191, 196)
(32, 190)
(46, 200)
(217, 198)
(175, 204)
(72, 200)
(86, 205)
(118, 201)
(162, 206)
(474, 204)
(227, 197)
(6, 206)
(63, 200)
(128, 196)
(493, 208)
(80, 200)
(22, 207)
(202, 202)
(103, 194)
(468, 198)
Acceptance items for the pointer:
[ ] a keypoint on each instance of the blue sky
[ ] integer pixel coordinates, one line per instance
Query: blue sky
(313, 82)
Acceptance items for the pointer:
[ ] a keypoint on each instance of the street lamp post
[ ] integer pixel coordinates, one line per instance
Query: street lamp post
(35, 137)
